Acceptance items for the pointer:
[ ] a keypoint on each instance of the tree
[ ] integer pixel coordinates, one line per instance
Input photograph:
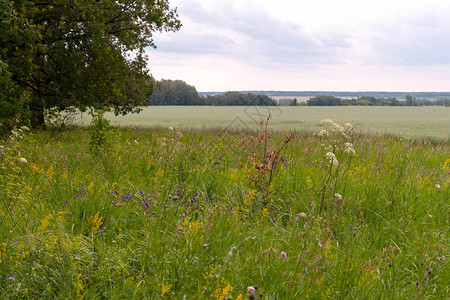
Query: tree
(410, 100)
(323, 100)
(82, 53)
(174, 92)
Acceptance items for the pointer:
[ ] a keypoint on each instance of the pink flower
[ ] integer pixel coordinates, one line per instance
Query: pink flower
(251, 289)
(438, 186)
(283, 254)
(12, 278)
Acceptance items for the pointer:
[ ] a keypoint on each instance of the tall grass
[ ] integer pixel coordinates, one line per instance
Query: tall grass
(173, 214)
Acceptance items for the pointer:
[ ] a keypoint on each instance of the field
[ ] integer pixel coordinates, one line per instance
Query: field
(433, 122)
(200, 213)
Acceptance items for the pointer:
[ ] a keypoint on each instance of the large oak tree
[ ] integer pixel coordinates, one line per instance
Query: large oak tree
(82, 53)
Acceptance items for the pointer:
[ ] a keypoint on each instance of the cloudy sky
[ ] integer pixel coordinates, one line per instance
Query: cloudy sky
(298, 45)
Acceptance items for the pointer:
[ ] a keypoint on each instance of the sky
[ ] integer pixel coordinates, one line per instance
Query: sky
(299, 45)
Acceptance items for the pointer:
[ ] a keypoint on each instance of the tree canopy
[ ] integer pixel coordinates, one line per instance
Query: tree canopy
(174, 92)
(82, 53)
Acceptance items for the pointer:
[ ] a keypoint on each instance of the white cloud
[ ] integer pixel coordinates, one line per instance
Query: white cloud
(323, 44)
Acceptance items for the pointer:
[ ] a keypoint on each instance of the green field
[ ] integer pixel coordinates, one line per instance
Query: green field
(205, 214)
(415, 122)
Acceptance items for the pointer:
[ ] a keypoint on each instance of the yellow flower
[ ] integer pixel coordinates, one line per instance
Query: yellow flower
(165, 288)
(249, 197)
(95, 222)
(44, 223)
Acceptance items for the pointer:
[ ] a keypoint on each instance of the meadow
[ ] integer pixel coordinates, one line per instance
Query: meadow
(199, 213)
(413, 122)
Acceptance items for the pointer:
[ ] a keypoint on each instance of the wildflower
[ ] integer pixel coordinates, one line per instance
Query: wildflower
(438, 186)
(323, 132)
(171, 128)
(330, 155)
(332, 158)
(348, 125)
(326, 122)
(251, 289)
(283, 255)
(349, 148)
(24, 160)
(12, 278)
(338, 127)
(230, 253)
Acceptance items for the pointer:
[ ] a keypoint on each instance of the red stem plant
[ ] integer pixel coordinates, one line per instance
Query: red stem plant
(265, 162)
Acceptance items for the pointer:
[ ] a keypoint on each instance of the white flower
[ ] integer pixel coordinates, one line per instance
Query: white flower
(330, 155)
(171, 128)
(338, 196)
(348, 125)
(25, 128)
(326, 122)
(332, 158)
(349, 148)
(338, 127)
(323, 132)
(23, 159)
(15, 133)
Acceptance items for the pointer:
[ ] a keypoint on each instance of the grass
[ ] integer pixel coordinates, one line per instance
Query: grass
(171, 214)
(412, 122)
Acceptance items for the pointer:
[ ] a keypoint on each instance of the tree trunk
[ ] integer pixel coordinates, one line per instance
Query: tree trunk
(37, 112)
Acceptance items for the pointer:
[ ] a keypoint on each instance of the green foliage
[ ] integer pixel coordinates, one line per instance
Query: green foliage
(236, 98)
(177, 92)
(174, 92)
(100, 132)
(322, 100)
(82, 53)
(13, 111)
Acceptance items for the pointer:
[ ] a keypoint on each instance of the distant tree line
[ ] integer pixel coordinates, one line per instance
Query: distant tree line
(178, 92)
(397, 95)
(324, 100)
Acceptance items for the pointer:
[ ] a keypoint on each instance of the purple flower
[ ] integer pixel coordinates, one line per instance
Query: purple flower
(283, 255)
(251, 289)
(12, 278)
(438, 186)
